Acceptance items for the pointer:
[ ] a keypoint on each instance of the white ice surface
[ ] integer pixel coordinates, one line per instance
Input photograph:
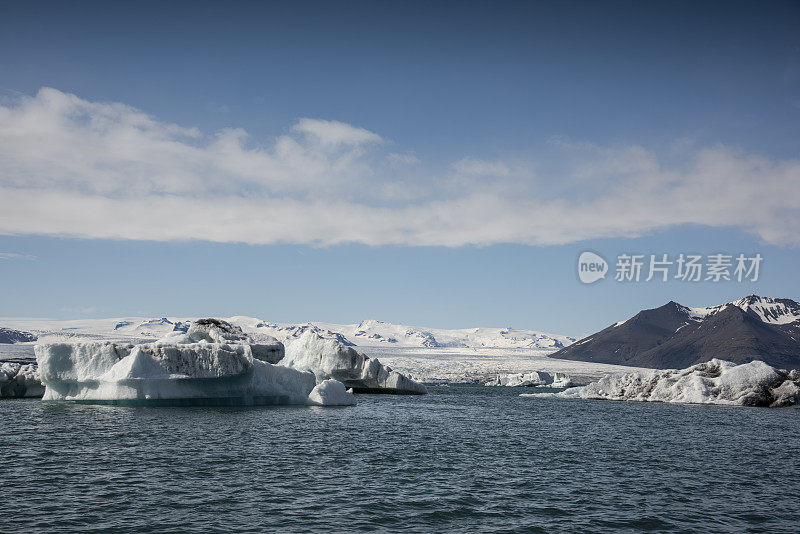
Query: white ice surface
(480, 365)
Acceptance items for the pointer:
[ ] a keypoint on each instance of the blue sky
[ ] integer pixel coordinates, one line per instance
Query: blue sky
(434, 165)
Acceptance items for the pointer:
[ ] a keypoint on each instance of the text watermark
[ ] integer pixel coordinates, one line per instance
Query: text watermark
(663, 267)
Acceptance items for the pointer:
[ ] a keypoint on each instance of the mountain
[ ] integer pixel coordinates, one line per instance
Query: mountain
(379, 333)
(368, 333)
(8, 335)
(676, 336)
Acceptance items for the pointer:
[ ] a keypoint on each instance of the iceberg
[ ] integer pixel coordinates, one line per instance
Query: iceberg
(713, 382)
(330, 359)
(533, 379)
(18, 379)
(331, 393)
(168, 372)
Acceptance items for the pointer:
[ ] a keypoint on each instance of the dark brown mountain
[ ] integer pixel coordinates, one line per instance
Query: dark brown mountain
(674, 336)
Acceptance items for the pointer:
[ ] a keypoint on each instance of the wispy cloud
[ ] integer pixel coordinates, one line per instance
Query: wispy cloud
(16, 256)
(70, 167)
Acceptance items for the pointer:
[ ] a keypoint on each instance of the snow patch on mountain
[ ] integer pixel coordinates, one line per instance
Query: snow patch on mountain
(767, 309)
(771, 310)
(330, 359)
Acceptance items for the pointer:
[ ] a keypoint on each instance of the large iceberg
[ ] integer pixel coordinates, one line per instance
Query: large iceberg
(331, 359)
(712, 382)
(532, 379)
(19, 379)
(173, 371)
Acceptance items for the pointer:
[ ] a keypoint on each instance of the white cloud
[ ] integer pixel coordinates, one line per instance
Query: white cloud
(69, 167)
(16, 256)
(335, 133)
(408, 158)
(472, 166)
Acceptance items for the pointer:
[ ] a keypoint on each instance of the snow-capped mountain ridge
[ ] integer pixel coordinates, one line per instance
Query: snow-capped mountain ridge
(367, 333)
(372, 332)
(676, 336)
(767, 309)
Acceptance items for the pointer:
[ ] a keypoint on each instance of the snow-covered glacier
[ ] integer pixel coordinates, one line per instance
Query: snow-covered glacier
(330, 359)
(210, 364)
(532, 379)
(713, 382)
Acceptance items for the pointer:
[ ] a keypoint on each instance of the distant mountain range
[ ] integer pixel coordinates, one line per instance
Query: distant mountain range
(368, 333)
(676, 336)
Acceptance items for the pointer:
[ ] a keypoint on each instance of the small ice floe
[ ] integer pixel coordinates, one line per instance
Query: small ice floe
(712, 382)
(331, 393)
(533, 379)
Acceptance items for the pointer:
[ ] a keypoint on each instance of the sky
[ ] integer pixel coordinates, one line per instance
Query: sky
(436, 165)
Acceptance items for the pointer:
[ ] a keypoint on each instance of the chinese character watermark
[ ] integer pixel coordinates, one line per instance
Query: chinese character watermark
(716, 267)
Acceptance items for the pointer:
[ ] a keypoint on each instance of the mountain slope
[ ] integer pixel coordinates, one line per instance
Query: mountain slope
(9, 335)
(675, 336)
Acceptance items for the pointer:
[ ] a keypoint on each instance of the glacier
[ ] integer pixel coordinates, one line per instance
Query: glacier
(328, 358)
(211, 364)
(713, 382)
(532, 379)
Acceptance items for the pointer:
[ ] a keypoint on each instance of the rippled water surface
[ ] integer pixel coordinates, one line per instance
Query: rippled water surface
(461, 458)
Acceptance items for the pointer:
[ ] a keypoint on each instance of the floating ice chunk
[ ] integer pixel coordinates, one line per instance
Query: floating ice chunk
(19, 380)
(182, 374)
(712, 382)
(332, 393)
(328, 358)
(533, 379)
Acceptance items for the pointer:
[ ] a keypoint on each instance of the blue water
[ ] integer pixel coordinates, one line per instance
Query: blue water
(460, 459)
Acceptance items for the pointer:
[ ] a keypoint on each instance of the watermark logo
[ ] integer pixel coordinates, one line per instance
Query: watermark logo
(663, 267)
(591, 267)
